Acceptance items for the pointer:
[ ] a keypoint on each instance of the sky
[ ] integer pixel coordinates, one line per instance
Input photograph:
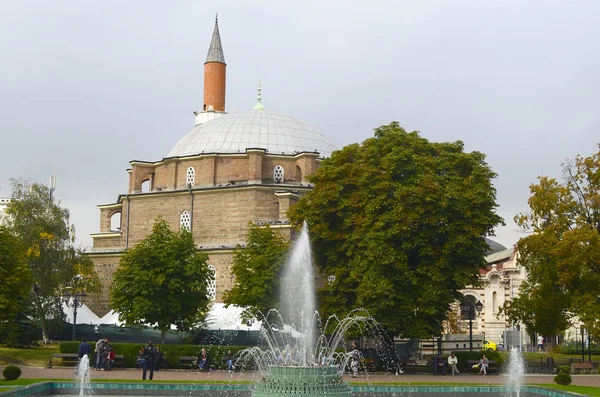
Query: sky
(87, 87)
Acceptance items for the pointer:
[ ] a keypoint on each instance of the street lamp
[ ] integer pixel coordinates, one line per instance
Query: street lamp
(468, 310)
(78, 301)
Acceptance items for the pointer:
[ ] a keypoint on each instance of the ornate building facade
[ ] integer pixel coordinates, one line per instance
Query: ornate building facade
(231, 169)
(500, 282)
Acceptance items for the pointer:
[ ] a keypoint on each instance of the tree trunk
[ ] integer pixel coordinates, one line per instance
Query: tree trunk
(163, 336)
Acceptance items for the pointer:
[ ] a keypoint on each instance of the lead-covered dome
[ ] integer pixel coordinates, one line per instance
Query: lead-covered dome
(236, 132)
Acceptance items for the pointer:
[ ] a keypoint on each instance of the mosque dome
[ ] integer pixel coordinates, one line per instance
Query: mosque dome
(257, 128)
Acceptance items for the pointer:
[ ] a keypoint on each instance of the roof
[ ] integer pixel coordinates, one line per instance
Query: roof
(497, 256)
(278, 133)
(215, 51)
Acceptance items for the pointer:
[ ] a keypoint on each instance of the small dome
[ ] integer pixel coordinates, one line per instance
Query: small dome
(234, 133)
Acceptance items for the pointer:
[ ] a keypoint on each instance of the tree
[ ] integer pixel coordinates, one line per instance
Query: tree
(400, 222)
(162, 281)
(15, 283)
(42, 226)
(257, 268)
(14, 274)
(562, 255)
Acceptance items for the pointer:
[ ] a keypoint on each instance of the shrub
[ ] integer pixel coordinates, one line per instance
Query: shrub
(563, 369)
(562, 379)
(11, 372)
(172, 352)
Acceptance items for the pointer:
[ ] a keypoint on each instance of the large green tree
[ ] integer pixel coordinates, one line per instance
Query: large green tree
(257, 267)
(562, 253)
(55, 262)
(162, 281)
(399, 221)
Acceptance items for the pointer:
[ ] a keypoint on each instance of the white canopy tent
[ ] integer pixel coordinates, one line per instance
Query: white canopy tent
(111, 317)
(84, 315)
(230, 318)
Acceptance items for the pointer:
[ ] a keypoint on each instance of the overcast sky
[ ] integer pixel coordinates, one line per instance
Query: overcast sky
(86, 87)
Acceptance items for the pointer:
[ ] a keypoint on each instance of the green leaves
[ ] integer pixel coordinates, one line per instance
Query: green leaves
(162, 281)
(256, 268)
(562, 256)
(400, 222)
(54, 262)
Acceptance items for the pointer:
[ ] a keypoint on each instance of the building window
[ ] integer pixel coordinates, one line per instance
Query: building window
(494, 302)
(115, 222)
(185, 221)
(212, 286)
(278, 174)
(190, 176)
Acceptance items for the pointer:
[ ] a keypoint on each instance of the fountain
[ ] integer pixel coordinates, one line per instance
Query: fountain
(300, 359)
(83, 377)
(516, 369)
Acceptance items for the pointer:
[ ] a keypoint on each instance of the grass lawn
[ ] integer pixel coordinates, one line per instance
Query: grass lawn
(35, 357)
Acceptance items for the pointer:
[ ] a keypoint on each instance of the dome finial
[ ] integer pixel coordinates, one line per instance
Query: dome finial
(217, 17)
(258, 106)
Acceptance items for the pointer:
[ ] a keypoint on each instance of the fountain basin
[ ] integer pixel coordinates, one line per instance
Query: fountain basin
(304, 380)
(186, 390)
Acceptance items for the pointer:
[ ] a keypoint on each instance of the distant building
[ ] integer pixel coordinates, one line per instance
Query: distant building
(500, 283)
(3, 204)
(230, 169)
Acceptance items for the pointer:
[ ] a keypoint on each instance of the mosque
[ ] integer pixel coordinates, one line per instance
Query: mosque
(232, 168)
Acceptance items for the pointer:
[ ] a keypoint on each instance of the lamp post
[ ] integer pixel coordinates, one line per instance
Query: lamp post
(469, 310)
(78, 301)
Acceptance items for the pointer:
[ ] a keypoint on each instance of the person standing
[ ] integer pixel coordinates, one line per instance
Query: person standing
(97, 350)
(452, 362)
(149, 356)
(84, 349)
(354, 360)
(540, 343)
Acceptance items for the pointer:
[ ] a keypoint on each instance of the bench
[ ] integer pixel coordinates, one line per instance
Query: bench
(409, 365)
(492, 366)
(187, 360)
(582, 368)
(65, 358)
(119, 361)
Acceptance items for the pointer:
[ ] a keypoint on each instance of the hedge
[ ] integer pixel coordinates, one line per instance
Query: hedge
(172, 352)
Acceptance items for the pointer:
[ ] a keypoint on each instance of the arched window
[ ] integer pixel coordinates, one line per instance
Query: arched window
(278, 174)
(190, 176)
(115, 222)
(146, 186)
(185, 220)
(298, 174)
(212, 286)
(494, 302)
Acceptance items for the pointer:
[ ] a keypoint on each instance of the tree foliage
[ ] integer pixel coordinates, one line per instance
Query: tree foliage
(55, 263)
(15, 280)
(562, 255)
(162, 281)
(16, 327)
(257, 267)
(399, 221)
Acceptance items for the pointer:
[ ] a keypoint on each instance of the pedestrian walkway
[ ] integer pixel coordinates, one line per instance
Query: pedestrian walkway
(251, 376)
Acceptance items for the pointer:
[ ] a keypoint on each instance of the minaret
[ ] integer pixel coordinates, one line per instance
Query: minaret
(214, 80)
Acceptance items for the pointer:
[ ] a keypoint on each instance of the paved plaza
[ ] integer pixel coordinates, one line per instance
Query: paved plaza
(174, 375)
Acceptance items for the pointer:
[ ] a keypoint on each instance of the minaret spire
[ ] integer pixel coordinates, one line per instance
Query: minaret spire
(215, 50)
(214, 79)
